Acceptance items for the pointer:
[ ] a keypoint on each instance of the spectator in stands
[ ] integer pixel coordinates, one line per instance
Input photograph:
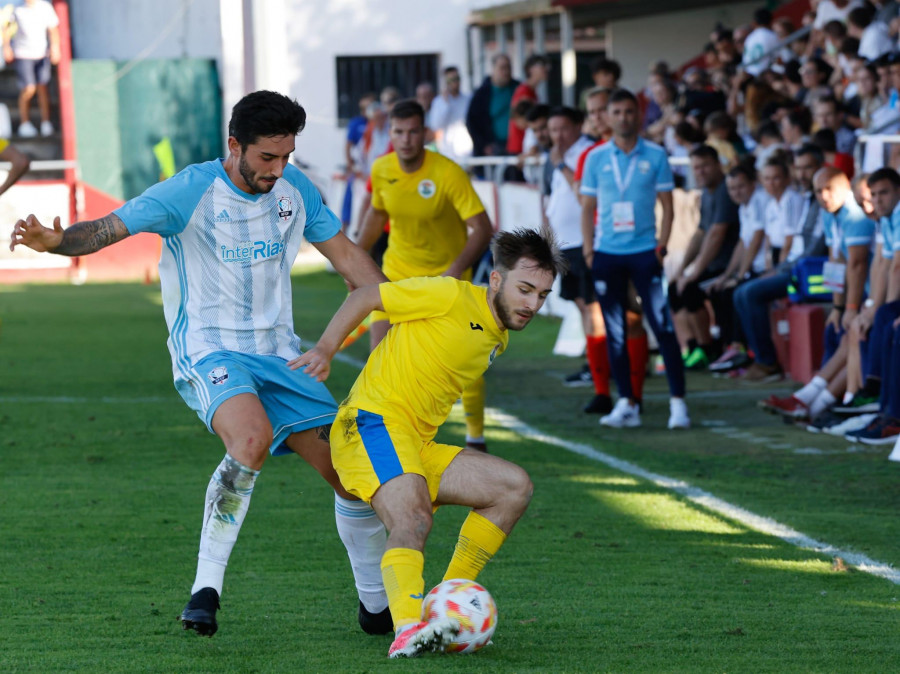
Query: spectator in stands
(448, 117)
(849, 235)
(825, 141)
(537, 69)
(536, 143)
(760, 45)
(562, 212)
(622, 182)
(875, 328)
(815, 74)
(747, 262)
(721, 134)
(663, 94)
(827, 114)
(488, 116)
(706, 257)
(768, 141)
(699, 96)
(866, 100)
(752, 299)
(377, 135)
(425, 98)
(784, 28)
(353, 155)
(795, 128)
(783, 211)
(874, 36)
(833, 10)
(723, 40)
(34, 47)
(606, 73)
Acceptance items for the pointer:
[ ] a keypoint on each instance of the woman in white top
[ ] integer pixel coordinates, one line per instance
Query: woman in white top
(783, 210)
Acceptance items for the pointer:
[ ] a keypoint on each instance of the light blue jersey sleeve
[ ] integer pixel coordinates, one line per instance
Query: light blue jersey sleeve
(589, 175)
(892, 237)
(859, 232)
(167, 207)
(665, 182)
(828, 227)
(321, 222)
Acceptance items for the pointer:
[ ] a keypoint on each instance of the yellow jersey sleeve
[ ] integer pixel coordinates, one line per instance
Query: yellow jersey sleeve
(377, 178)
(461, 193)
(413, 299)
(3, 144)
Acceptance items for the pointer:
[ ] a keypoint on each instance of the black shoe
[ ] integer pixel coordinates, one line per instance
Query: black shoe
(581, 378)
(200, 613)
(375, 623)
(600, 404)
(477, 446)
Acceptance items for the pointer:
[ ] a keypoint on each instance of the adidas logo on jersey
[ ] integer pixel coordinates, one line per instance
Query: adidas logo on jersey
(223, 216)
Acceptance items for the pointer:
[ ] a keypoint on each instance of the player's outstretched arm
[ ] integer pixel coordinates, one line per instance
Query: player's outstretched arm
(352, 262)
(360, 303)
(82, 238)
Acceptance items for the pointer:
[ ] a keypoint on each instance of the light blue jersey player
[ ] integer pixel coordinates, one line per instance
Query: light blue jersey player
(621, 183)
(231, 229)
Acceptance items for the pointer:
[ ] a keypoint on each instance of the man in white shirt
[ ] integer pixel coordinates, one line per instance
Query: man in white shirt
(759, 47)
(34, 46)
(874, 36)
(447, 118)
(834, 10)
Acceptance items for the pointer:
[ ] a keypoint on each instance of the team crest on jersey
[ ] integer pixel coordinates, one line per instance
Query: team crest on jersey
(644, 166)
(218, 375)
(426, 189)
(284, 207)
(493, 355)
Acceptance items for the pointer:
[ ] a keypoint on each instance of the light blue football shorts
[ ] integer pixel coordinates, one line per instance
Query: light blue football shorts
(292, 399)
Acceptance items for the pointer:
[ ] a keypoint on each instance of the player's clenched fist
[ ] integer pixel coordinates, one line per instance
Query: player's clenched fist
(31, 233)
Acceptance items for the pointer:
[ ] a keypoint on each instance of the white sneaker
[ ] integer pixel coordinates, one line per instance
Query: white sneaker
(851, 424)
(624, 415)
(27, 130)
(895, 454)
(678, 414)
(47, 128)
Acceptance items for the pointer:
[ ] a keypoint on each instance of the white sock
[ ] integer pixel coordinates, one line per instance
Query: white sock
(364, 537)
(479, 439)
(227, 500)
(822, 402)
(809, 392)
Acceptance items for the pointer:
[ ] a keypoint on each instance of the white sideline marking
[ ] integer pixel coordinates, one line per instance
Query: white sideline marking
(753, 521)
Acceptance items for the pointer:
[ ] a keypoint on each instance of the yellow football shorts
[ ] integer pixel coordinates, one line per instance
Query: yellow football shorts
(368, 450)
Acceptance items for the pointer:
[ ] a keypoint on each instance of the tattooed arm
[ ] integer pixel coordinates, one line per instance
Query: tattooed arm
(82, 238)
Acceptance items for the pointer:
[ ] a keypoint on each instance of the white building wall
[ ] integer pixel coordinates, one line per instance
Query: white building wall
(126, 29)
(676, 37)
(318, 32)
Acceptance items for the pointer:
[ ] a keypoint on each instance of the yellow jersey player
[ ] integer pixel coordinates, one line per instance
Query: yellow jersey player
(438, 226)
(445, 334)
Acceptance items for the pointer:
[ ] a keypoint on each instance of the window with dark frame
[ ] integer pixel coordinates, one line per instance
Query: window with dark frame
(359, 75)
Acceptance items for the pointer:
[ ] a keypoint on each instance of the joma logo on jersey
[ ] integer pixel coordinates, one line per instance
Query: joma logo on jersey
(247, 251)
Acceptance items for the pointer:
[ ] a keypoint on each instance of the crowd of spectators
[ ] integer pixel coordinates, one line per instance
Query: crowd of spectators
(765, 124)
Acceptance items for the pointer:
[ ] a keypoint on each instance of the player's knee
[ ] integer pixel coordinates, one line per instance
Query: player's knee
(252, 446)
(519, 487)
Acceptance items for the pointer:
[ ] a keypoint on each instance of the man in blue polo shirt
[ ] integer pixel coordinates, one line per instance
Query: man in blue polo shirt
(849, 234)
(621, 183)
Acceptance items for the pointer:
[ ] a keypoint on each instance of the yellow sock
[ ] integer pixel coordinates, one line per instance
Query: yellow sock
(473, 404)
(479, 540)
(401, 570)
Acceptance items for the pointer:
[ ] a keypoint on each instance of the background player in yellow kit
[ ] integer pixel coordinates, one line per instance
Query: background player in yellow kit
(438, 226)
(445, 334)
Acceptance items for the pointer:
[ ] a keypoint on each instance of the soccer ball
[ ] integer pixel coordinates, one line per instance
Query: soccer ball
(468, 603)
